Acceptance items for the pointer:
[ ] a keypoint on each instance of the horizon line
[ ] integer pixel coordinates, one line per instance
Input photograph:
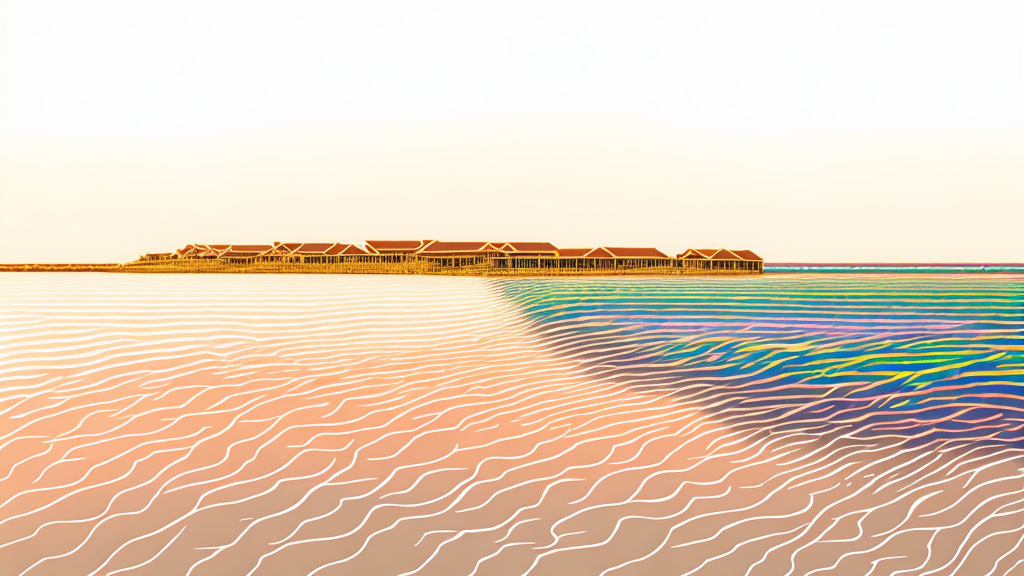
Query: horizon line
(893, 264)
(766, 264)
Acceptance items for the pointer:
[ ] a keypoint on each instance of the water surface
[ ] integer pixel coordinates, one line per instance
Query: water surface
(302, 424)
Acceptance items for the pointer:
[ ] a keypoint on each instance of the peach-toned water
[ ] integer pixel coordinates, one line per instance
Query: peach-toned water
(211, 425)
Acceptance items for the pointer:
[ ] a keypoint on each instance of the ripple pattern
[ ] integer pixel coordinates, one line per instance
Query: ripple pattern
(930, 357)
(209, 425)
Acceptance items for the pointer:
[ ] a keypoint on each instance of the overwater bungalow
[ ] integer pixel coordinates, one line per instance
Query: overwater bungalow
(194, 251)
(156, 256)
(393, 251)
(202, 251)
(324, 253)
(749, 262)
(696, 259)
(458, 254)
(243, 253)
(520, 255)
(281, 252)
(572, 258)
(619, 257)
(709, 260)
(433, 257)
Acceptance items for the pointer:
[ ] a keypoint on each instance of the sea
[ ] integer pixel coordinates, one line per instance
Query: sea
(807, 421)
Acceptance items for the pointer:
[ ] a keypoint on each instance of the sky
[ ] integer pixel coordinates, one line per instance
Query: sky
(815, 131)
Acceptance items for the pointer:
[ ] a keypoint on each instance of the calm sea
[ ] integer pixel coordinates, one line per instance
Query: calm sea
(795, 423)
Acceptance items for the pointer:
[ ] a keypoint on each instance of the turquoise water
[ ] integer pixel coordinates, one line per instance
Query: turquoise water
(929, 357)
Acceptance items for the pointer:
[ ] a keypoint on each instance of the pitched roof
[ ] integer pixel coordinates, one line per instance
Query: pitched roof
(456, 247)
(599, 253)
(314, 248)
(237, 254)
(698, 253)
(244, 250)
(281, 249)
(724, 254)
(310, 248)
(573, 252)
(211, 250)
(250, 247)
(747, 255)
(632, 252)
(381, 246)
(348, 250)
(530, 247)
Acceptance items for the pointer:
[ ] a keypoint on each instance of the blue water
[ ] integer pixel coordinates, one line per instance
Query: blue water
(935, 357)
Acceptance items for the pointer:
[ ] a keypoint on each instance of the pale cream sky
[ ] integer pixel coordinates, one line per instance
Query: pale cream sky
(806, 131)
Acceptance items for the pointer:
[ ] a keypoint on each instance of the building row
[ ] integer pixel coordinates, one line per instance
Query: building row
(498, 257)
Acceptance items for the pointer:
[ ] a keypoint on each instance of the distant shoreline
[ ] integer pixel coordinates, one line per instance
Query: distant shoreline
(769, 268)
(906, 268)
(889, 264)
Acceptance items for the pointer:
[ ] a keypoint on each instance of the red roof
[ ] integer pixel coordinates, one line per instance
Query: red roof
(279, 249)
(243, 250)
(250, 247)
(530, 247)
(631, 252)
(724, 254)
(211, 249)
(698, 253)
(347, 250)
(314, 249)
(599, 253)
(196, 250)
(747, 255)
(456, 247)
(318, 248)
(573, 252)
(380, 246)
